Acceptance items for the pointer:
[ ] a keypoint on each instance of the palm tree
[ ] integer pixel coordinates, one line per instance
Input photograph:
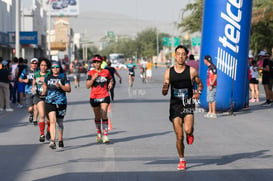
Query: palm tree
(193, 22)
(262, 11)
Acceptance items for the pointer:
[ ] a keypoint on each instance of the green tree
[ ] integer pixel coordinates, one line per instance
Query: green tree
(145, 44)
(261, 36)
(262, 26)
(193, 21)
(262, 11)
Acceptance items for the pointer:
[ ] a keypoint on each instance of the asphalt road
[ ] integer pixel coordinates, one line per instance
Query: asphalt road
(231, 147)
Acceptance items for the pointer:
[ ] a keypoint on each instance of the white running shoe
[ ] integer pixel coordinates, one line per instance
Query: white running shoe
(105, 139)
(20, 106)
(99, 138)
(9, 109)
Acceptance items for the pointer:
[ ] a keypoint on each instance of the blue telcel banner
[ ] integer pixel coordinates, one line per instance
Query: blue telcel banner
(225, 37)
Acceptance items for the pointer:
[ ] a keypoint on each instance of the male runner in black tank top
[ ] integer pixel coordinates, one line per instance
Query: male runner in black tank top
(180, 77)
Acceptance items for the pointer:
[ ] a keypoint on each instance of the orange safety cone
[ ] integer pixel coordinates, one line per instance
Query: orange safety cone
(109, 108)
(109, 124)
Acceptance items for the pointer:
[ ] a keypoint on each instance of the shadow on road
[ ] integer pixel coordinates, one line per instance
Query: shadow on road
(211, 175)
(226, 159)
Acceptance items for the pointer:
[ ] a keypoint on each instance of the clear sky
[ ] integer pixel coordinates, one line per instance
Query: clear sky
(156, 10)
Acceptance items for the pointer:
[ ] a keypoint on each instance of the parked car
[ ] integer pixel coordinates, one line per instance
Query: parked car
(73, 2)
(58, 4)
(120, 66)
(65, 4)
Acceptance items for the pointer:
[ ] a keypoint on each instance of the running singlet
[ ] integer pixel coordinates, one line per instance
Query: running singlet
(131, 68)
(39, 83)
(28, 74)
(55, 95)
(112, 71)
(99, 87)
(210, 73)
(181, 85)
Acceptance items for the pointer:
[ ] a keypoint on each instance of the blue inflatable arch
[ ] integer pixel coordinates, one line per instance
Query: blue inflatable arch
(225, 37)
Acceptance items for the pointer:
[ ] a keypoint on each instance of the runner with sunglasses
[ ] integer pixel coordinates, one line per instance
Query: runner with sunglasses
(100, 81)
(55, 86)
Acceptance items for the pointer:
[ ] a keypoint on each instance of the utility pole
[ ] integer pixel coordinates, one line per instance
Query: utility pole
(17, 29)
(157, 45)
(49, 30)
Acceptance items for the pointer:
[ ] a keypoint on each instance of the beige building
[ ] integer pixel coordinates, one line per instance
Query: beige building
(61, 38)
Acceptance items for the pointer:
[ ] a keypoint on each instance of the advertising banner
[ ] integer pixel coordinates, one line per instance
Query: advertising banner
(26, 37)
(225, 37)
(62, 7)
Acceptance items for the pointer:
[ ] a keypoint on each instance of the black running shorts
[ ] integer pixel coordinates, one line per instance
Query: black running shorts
(97, 102)
(60, 109)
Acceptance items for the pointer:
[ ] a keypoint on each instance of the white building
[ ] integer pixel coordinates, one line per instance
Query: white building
(34, 25)
(7, 25)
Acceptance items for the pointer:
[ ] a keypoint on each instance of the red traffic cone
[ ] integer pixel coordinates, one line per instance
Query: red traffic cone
(109, 124)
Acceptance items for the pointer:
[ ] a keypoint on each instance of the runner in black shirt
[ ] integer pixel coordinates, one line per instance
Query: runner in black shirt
(180, 78)
(113, 72)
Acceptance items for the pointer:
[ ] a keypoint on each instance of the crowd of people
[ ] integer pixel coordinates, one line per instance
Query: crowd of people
(43, 86)
(261, 71)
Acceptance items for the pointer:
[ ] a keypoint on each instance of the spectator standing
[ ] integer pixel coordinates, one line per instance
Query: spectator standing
(211, 86)
(270, 77)
(5, 78)
(253, 81)
(20, 85)
(193, 63)
(13, 82)
(266, 76)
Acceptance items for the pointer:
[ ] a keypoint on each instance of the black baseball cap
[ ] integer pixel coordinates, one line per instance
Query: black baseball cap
(208, 58)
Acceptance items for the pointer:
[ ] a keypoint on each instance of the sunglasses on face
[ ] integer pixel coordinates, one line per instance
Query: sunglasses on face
(96, 61)
(34, 63)
(55, 66)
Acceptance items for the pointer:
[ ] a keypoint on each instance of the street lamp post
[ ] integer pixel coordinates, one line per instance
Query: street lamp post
(49, 30)
(84, 49)
(17, 29)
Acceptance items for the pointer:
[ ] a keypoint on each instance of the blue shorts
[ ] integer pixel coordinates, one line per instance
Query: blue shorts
(21, 87)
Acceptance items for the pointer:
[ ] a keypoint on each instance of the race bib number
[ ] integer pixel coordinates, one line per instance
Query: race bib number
(181, 93)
